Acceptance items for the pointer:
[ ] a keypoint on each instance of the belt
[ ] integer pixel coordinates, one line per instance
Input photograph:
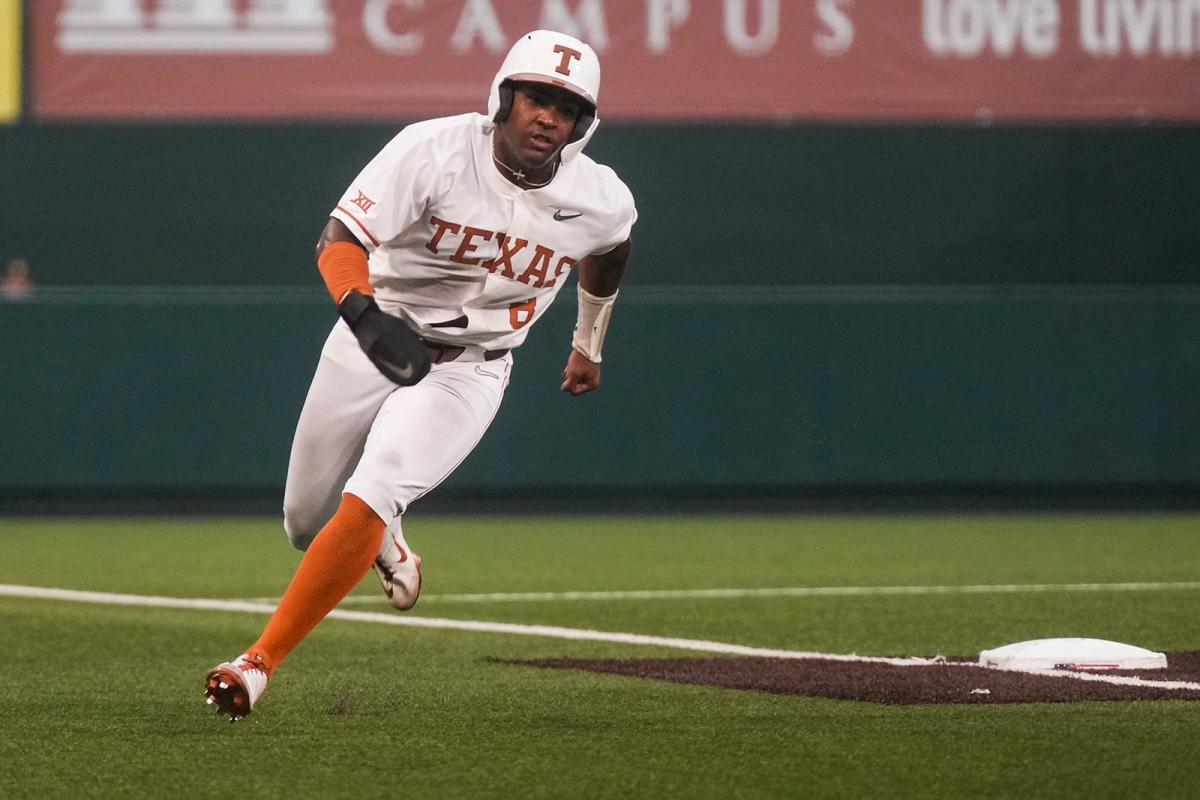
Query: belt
(444, 353)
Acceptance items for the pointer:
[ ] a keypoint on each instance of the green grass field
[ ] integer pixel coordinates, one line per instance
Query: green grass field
(102, 700)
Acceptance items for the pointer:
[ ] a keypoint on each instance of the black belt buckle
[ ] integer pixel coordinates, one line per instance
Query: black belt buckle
(441, 353)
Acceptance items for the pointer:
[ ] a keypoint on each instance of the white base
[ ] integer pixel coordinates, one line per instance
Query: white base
(1075, 654)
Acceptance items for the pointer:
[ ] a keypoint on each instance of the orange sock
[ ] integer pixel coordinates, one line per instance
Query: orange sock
(335, 562)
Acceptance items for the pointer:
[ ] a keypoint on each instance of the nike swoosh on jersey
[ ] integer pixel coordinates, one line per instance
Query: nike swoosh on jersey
(561, 217)
(406, 372)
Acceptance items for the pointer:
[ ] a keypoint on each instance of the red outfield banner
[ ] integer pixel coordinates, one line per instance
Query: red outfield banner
(672, 59)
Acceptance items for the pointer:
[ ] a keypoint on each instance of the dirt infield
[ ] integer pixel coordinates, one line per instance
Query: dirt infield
(955, 681)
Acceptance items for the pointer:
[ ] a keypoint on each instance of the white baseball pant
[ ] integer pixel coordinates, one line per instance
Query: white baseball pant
(386, 444)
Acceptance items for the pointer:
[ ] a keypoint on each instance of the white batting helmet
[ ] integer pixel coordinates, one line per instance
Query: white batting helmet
(557, 59)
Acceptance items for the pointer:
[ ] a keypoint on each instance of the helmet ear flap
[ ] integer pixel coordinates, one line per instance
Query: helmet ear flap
(586, 117)
(506, 102)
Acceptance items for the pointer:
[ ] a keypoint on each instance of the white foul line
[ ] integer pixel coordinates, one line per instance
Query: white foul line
(785, 591)
(549, 631)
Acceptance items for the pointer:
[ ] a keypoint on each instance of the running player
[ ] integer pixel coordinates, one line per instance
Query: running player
(441, 255)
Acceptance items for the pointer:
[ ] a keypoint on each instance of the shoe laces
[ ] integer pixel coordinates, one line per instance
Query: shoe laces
(251, 661)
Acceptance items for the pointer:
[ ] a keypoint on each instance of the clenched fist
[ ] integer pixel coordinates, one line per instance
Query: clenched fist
(580, 375)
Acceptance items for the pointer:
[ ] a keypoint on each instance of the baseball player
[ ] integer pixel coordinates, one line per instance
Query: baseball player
(442, 254)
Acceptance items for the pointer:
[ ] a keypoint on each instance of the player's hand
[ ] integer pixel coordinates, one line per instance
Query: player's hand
(580, 375)
(392, 346)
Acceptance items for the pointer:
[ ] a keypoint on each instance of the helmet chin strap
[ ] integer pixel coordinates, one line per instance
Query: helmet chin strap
(519, 175)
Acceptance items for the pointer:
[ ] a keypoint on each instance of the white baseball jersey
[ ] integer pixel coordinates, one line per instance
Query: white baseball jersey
(460, 252)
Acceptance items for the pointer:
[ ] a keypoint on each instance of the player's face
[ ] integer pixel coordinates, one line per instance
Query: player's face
(540, 123)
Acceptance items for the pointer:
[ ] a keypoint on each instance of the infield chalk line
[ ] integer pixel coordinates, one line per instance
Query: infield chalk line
(548, 631)
(792, 591)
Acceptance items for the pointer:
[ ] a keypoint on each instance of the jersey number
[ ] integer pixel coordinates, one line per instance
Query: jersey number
(520, 314)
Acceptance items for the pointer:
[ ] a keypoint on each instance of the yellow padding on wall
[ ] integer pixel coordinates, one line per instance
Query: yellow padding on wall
(10, 59)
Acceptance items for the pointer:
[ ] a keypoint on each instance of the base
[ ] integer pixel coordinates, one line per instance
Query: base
(1076, 654)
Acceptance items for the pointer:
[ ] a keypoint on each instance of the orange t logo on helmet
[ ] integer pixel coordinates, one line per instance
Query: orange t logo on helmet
(568, 53)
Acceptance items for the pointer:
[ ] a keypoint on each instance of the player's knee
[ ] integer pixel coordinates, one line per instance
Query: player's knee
(301, 527)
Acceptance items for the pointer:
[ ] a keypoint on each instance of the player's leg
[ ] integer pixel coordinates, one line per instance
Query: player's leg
(334, 563)
(419, 436)
(346, 394)
(448, 425)
(337, 559)
(343, 399)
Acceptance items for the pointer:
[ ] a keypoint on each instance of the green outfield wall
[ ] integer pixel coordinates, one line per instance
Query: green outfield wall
(746, 205)
(808, 308)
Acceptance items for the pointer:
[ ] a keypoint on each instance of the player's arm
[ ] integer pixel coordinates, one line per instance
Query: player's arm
(393, 347)
(336, 231)
(599, 278)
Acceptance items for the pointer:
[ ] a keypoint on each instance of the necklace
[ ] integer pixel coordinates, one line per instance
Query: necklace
(518, 175)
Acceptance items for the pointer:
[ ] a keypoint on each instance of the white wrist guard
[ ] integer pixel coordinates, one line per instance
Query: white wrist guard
(592, 324)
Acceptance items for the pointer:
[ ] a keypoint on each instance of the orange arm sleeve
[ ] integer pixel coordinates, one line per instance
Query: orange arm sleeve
(343, 266)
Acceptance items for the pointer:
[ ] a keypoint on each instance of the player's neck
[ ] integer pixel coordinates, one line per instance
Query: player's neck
(524, 177)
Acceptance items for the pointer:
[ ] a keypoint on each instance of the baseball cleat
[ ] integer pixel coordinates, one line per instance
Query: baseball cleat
(234, 687)
(399, 570)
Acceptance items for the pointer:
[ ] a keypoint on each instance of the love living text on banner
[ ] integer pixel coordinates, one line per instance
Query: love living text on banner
(662, 59)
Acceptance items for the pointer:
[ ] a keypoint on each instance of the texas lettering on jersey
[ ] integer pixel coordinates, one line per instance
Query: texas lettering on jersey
(515, 253)
(450, 238)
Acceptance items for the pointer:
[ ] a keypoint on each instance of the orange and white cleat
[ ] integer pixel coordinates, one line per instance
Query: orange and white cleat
(398, 569)
(235, 686)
